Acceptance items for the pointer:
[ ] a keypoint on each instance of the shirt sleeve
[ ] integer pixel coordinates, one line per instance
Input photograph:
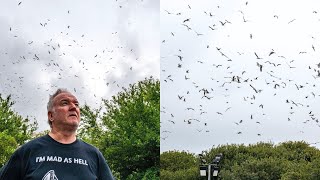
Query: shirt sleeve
(12, 169)
(104, 170)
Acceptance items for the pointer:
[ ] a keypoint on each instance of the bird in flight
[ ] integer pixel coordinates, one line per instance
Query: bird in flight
(198, 34)
(257, 55)
(180, 57)
(168, 12)
(186, 20)
(260, 66)
(187, 26)
(211, 28)
(272, 52)
(291, 21)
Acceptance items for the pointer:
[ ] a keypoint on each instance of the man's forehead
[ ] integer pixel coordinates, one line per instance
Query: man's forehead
(65, 95)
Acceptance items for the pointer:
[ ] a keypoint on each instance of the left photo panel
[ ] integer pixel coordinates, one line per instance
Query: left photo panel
(79, 90)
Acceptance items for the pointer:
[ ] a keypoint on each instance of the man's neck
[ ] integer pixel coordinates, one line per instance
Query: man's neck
(63, 137)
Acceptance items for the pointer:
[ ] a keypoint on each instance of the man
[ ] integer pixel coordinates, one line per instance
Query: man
(58, 155)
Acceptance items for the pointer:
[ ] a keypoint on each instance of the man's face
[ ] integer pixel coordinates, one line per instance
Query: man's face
(65, 113)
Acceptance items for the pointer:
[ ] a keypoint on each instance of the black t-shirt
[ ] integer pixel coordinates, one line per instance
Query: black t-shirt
(46, 159)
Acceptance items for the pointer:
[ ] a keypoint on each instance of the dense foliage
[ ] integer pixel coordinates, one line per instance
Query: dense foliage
(14, 129)
(178, 165)
(288, 160)
(128, 132)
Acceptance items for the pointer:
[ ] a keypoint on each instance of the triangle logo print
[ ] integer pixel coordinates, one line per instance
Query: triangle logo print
(50, 176)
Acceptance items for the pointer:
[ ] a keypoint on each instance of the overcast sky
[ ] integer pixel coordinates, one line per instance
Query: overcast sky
(91, 48)
(239, 72)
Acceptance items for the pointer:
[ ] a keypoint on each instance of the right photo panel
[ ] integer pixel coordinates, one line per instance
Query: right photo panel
(240, 89)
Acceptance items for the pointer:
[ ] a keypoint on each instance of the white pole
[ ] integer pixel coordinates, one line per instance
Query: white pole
(209, 173)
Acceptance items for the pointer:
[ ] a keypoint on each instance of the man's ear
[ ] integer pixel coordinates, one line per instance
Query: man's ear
(50, 115)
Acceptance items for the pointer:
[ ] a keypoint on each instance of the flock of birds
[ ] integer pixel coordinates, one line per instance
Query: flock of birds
(60, 54)
(207, 80)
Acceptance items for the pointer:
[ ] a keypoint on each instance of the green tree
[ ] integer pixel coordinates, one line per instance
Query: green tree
(288, 160)
(7, 146)
(175, 160)
(128, 131)
(14, 129)
(175, 165)
(132, 118)
(91, 127)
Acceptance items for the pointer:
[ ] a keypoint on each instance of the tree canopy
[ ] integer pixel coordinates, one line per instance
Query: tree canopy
(288, 160)
(177, 165)
(14, 129)
(128, 131)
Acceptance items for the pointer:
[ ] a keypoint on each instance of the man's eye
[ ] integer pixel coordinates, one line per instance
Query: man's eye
(64, 103)
(77, 104)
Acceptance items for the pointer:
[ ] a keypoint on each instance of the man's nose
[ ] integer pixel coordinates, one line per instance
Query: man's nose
(73, 106)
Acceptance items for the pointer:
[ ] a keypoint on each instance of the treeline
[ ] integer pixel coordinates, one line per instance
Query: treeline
(261, 161)
(126, 129)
